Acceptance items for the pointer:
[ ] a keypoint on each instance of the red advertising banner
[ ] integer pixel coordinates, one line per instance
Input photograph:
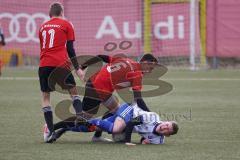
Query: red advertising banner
(99, 22)
(171, 29)
(96, 23)
(223, 35)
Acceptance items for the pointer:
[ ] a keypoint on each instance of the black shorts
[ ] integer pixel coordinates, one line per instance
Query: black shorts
(91, 100)
(50, 77)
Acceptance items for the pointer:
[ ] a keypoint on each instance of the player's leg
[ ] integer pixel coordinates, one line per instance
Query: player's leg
(124, 115)
(112, 104)
(69, 122)
(76, 100)
(119, 125)
(105, 125)
(69, 125)
(117, 122)
(62, 126)
(47, 111)
(44, 72)
(67, 82)
(90, 106)
(49, 135)
(91, 100)
(98, 133)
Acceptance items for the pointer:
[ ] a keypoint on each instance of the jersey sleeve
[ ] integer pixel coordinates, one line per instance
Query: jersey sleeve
(105, 58)
(70, 32)
(136, 80)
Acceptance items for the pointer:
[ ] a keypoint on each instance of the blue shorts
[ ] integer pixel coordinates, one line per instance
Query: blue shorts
(125, 111)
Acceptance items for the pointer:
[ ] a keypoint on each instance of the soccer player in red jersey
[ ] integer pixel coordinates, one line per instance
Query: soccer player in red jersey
(56, 44)
(119, 73)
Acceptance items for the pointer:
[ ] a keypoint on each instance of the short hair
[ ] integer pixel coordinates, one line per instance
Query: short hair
(174, 127)
(56, 9)
(149, 58)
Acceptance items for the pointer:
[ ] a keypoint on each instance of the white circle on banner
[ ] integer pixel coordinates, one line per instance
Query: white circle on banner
(30, 27)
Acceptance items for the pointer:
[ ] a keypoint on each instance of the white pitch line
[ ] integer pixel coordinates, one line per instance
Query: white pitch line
(202, 79)
(165, 79)
(19, 78)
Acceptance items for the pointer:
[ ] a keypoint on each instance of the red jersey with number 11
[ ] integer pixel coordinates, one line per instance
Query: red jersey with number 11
(53, 36)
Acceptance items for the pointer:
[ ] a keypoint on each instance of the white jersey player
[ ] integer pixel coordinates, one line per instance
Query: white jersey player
(131, 117)
(149, 123)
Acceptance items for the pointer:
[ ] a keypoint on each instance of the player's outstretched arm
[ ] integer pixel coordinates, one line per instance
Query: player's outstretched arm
(129, 129)
(96, 59)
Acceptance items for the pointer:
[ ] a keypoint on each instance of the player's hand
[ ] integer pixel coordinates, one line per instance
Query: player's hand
(130, 144)
(81, 74)
(145, 141)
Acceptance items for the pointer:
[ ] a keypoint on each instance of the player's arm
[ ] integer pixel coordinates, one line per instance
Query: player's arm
(144, 141)
(140, 102)
(72, 56)
(136, 82)
(96, 59)
(129, 129)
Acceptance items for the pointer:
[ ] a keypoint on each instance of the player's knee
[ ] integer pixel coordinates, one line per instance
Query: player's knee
(118, 129)
(112, 103)
(119, 125)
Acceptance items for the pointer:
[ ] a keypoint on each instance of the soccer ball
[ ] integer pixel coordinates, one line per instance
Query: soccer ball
(118, 137)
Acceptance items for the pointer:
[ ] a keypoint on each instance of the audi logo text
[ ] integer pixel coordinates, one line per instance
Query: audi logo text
(15, 26)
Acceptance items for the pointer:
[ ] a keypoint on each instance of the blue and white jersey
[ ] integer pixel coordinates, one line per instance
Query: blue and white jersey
(149, 122)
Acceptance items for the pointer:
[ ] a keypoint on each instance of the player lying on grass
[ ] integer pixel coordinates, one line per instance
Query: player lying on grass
(127, 118)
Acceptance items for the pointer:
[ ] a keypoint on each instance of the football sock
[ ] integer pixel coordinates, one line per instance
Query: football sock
(98, 134)
(106, 115)
(77, 104)
(48, 118)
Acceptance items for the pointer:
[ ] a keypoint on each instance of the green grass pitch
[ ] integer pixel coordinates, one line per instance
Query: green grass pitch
(206, 105)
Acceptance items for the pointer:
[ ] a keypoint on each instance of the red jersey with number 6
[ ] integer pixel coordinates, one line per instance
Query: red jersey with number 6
(119, 73)
(53, 36)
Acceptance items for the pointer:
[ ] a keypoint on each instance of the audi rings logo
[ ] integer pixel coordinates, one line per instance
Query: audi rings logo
(15, 27)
